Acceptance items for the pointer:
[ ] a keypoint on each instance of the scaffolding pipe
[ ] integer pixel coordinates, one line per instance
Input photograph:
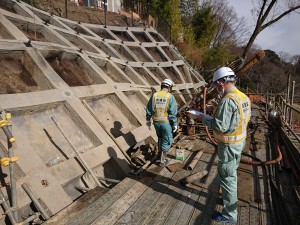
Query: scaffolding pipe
(292, 102)
(31, 218)
(83, 162)
(35, 201)
(7, 209)
(13, 184)
(287, 95)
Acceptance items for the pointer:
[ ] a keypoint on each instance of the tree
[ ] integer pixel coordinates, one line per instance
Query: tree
(188, 10)
(170, 11)
(231, 30)
(204, 25)
(269, 12)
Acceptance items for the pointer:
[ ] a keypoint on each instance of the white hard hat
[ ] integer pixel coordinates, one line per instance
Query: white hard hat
(167, 82)
(222, 72)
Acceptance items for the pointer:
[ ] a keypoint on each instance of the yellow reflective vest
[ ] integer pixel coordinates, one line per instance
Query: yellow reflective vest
(161, 103)
(244, 107)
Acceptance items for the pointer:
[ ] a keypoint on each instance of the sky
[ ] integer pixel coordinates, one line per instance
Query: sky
(282, 36)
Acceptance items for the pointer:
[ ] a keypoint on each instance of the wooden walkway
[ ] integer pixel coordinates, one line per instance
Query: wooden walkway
(157, 197)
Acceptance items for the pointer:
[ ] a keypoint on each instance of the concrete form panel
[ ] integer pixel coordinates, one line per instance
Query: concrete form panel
(114, 116)
(111, 71)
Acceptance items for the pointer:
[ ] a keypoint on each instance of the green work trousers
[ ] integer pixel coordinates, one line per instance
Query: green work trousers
(229, 160)
(164, 134)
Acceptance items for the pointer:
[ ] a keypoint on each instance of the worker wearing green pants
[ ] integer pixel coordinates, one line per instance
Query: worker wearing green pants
(162, 108)
(230, 130)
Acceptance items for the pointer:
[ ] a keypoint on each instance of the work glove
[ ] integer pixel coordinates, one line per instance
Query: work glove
(148, 124)
(175, 128)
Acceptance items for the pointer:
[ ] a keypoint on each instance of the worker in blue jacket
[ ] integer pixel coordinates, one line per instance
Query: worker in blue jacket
(229, 125)
(162, 108)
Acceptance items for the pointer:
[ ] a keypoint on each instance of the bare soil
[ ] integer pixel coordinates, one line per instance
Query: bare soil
(83, 14)
(71, 72)
(15, 78)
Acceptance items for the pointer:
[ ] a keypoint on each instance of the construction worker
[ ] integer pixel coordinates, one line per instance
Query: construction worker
(229, 125)
(162, 107)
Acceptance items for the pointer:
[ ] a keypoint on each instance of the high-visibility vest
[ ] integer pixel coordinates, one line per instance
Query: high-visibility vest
(244, 107)
(161, 103)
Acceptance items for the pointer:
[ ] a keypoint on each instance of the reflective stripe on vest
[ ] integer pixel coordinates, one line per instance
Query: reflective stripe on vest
(161, 103)
(244, 110)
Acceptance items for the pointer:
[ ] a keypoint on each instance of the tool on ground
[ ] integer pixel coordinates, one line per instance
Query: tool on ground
(195, 160)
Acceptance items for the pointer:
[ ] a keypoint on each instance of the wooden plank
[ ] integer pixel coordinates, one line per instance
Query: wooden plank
(116, 210)
(170, 192)
(243, 215)
(191, 207)
(175, 214)
(76, 207)
(254, 214)
(146, 201)
(208, 198)
(90, 213)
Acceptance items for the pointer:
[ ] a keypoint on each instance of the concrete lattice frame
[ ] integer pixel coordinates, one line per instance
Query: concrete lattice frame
(100, 117)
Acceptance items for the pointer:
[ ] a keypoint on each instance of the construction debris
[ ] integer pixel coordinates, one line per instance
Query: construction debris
(143, 153)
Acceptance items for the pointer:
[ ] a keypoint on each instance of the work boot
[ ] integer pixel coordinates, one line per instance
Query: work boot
(163, 159)
(218, 217)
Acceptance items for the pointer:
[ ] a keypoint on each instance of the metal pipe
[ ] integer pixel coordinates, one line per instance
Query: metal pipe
(13, 184)
(267, 101)
(31, 218)
(279, 155)
(287, 94)
(108, 179)
(292, 102)
(105, 10)
(195, 160)
(294, 134)
(7, 209)
(35, 201)
(83, 162)
(86, 189)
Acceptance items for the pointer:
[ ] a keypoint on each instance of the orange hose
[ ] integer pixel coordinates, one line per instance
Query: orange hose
(279, 157)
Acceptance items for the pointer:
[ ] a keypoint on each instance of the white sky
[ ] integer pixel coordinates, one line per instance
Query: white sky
(282, 36)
